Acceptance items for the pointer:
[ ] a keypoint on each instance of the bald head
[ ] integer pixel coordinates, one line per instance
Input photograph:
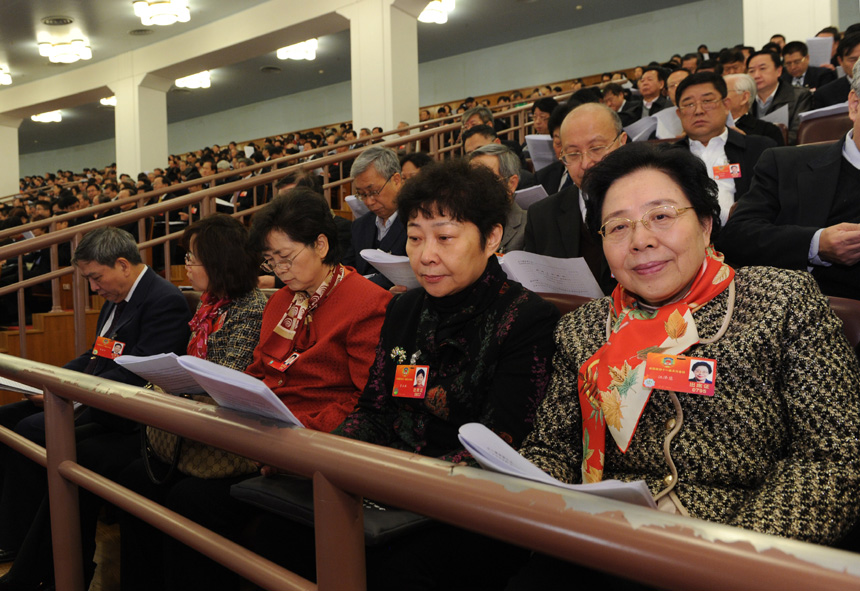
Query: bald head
(588, 133)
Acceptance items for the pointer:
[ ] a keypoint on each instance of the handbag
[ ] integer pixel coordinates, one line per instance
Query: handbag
(190, 457)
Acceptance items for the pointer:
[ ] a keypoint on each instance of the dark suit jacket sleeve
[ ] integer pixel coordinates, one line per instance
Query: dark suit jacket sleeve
(762, 229)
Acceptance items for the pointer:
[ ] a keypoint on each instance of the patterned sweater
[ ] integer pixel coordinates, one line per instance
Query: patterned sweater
(489, 349)
(775, 450)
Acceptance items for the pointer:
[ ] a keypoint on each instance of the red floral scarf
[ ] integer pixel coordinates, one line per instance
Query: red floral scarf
(611, 393)
(206, 321)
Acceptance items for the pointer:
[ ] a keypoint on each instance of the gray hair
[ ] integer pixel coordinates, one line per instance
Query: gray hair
(509, 163)
(384, 160)
(855, 79)
(484, 113)
(743, 83)
(105, 245)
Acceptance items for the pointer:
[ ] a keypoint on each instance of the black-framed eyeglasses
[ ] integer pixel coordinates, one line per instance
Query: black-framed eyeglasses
(272, 266)
(374, 193)
(657, 219)
(593, 153)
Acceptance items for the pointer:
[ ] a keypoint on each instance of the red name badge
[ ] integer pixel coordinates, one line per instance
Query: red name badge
(727, 171)
(694, 375)
(108, 348)
(286, 363)
(410, 381)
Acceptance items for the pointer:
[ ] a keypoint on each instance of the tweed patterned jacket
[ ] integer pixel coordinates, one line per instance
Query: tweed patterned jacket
(775, 450)
(233, 345)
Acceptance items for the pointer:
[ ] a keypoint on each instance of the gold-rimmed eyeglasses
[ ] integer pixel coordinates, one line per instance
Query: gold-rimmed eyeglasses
(657, 219)
(271, 266)
(593, 153)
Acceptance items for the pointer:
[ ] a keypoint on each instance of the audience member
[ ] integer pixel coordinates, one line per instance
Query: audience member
(798, 72)
(772, 94)
(833, 93)
(554, 176)
(741, 88)
(733, 61)
(672, 82)
(505, 166)
(615, 98)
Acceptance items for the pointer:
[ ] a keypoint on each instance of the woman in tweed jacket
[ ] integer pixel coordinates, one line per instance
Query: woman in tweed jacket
(774, 447)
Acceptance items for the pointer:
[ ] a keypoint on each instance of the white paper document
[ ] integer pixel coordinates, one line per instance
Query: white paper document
(163, 370)
(777, 117)
(357, 206)
(668, 124)
(819, 50)
(396, 268)
(642, 129)
(545, 274)
(493, 454)
(237, 390)
(13, 386)
(529, 195)
(540, 150)
(838, 109)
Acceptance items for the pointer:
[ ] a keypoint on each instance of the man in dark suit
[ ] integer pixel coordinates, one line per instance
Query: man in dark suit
(145, 315)
(772, 94)
(801, 212)
(741, 89)
(628, 110)
(555, 226)
(798, 72)
(554, 176)
(847, 54)
(729, 156)
(652, 85)
(376, 182)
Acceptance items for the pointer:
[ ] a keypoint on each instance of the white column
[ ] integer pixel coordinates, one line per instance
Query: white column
(140, 119)
(796, 19)
(384, 59)
(10, 171)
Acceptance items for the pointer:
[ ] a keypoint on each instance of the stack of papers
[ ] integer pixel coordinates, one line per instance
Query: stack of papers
(356, 205)
(493, 454)
(529, 195)
(228, 387)
(545, 274)
(396, 268)
(540, 150)
(13, 386)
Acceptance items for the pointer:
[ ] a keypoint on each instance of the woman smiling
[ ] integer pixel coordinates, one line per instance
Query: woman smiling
(766, 451)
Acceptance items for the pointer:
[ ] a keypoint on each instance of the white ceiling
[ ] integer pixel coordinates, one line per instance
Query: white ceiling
(108, 25)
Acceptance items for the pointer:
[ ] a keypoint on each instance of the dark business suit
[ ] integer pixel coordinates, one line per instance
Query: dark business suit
(550, 176)
(790, 199)
(752, 126)
(832, 94)
(631, 112)
(798, 100)
(364, 236)
(660, 103)
(155, 320)
(744, 150)
(815, 77)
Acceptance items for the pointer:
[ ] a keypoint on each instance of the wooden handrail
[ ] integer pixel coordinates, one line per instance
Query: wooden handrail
(646, 545)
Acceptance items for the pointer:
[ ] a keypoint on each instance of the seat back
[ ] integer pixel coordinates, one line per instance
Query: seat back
(823, 129)
(848, 311)
(565, 302)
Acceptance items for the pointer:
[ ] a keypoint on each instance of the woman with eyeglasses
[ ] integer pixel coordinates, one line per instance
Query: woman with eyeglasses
(771, 445)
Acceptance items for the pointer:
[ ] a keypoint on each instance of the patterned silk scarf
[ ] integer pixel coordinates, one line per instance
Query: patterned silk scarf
(206, 321)
(610, 382)
(295, 320)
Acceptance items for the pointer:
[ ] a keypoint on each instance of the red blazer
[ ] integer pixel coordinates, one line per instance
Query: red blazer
(323, 385)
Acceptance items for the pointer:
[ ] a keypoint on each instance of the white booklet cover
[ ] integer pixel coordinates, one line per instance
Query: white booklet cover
(493, 454)
(545, 274)
(529, 196)
(395, 267)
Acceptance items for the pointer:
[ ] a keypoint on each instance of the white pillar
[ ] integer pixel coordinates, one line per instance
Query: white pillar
(796, 19)
(10, 171)
(384, 60)
(140, 120)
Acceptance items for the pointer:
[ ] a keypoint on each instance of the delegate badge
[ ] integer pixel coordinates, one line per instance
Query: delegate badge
(410, 381)
(678, 373)
(282, 366)
(108, 348)
(727, 171)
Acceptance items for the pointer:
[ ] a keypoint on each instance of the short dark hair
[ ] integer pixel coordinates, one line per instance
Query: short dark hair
(689, 56)
(662, 74)
(546, 104)
(221, 245)
(704, 364)
(561, 111)
(731, 56)
(847, 45)
(462, 192)
(302, 216)
(701, 78)
(613, 88)
(105, 245)
(830, 31)
(676, 162)
(418, 159)
(795, 47)
(777, 62)
(482, 130)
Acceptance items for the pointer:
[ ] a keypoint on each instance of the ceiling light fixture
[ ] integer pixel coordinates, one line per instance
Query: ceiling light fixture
(436, 12)
(5, 77)
(108, 101)
(163, 12)
(198, 80)
(66, 52)
(306, 50)
(49, 117)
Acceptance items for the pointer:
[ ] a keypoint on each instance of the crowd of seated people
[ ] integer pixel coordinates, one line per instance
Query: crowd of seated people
(721, 244)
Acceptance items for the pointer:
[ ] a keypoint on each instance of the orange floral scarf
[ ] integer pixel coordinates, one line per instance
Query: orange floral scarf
(611, 393)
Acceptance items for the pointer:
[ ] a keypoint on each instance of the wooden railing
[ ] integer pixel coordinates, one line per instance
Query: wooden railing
(666, 551)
